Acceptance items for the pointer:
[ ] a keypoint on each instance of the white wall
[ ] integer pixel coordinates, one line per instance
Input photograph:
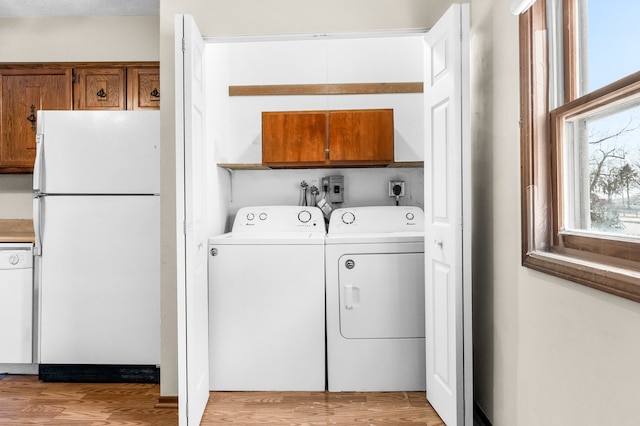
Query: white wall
(396, 58)
(362, 187)
(77, 39)
(547, 351)
(69, 39)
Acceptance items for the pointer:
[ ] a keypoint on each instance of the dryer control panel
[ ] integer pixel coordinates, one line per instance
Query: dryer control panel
(378, 219)
(279, 219)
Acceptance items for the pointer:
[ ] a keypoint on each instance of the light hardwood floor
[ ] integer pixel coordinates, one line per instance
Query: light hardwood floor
(25, 400)
(320, 408)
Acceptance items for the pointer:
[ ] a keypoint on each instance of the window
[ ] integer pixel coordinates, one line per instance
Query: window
(580, 140)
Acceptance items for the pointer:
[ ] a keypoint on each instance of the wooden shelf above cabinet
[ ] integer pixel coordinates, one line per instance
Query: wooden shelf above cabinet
(327, 89)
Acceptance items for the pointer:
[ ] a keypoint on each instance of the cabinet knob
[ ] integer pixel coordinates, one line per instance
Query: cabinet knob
(101, 93)
(155, 93)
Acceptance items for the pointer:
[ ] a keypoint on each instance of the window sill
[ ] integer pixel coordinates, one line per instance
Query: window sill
(612, 279)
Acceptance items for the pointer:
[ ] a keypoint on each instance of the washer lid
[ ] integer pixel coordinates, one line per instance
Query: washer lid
(269, 238)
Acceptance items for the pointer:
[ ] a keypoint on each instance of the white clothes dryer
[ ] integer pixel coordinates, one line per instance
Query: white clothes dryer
(375, 299)
(266, 301)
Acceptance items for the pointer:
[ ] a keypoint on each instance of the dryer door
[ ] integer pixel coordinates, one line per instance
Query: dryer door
(381, 295)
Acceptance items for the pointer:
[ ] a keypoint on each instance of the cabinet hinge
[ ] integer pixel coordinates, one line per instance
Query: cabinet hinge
(74, 78)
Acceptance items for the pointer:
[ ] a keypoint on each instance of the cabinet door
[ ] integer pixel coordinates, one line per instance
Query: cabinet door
(143, 88)
(294, 138)
(361, 136)
(23, 93)
(99, 89)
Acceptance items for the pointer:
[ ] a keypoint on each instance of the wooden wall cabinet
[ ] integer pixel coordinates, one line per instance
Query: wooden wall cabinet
(327, 138)
(143, 88)
(120, 88)
(22, 93)
(65, 86)
(99, 89)
(361, 136)
(296, 137)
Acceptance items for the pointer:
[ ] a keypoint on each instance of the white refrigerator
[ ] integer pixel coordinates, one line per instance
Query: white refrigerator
(96, 184)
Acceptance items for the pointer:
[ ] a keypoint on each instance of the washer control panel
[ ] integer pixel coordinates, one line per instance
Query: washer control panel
(380, 219)
(279, 219)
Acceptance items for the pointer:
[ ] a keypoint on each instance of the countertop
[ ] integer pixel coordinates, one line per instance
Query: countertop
(16, 231)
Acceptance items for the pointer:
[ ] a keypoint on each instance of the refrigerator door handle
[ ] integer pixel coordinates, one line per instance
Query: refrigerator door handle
(37, 211)
(37, 166)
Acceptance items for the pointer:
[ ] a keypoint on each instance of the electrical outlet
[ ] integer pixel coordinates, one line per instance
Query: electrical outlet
(396, 188)
(336, 189)
(324, 184)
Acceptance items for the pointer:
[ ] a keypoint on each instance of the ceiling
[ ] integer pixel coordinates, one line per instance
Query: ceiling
(16, 8)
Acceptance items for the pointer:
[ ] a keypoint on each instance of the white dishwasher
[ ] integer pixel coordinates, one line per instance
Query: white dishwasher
(16, 293)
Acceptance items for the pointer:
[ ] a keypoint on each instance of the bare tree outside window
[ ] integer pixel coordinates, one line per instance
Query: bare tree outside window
(614, 168)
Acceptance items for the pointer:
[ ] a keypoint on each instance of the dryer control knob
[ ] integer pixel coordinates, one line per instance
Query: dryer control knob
(410, 216)
(251, 216)
(14, 259)
(263, 216)
(304, 216)
(348, 218)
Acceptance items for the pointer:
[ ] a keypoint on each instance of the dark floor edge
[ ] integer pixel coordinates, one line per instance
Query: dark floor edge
(167, 402)
(479, 417)
(90, 373)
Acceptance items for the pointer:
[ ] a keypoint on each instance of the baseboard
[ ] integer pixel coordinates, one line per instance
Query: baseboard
(479, 417)
(90, 373)
(167, 402)
(28, 369)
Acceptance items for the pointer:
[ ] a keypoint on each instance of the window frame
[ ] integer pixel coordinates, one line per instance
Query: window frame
(609, 264)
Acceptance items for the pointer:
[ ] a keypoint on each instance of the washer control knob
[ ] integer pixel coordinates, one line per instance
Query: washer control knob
(410, 216)
(304, 216)
(251, 216)
(348, 218)
(262, 216)
(14, 259)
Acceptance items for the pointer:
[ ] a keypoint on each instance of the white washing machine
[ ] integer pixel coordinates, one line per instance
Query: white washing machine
(266, 301)
(375, 299)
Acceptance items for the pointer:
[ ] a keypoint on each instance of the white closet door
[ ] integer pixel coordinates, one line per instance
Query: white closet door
(448, 219)
(193, 310)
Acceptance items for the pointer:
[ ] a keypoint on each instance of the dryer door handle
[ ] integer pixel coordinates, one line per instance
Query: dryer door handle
(351, 296)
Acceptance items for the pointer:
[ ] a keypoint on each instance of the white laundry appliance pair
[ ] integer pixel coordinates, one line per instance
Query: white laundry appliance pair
(269, 280)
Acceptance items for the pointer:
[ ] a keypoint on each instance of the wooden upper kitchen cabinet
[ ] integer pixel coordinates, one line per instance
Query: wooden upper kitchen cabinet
(361, 136)
(116, 87)
(294, 138)
(22, 93)
(143, 88)
(27, 88)
(99, 89)
(327, 138)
